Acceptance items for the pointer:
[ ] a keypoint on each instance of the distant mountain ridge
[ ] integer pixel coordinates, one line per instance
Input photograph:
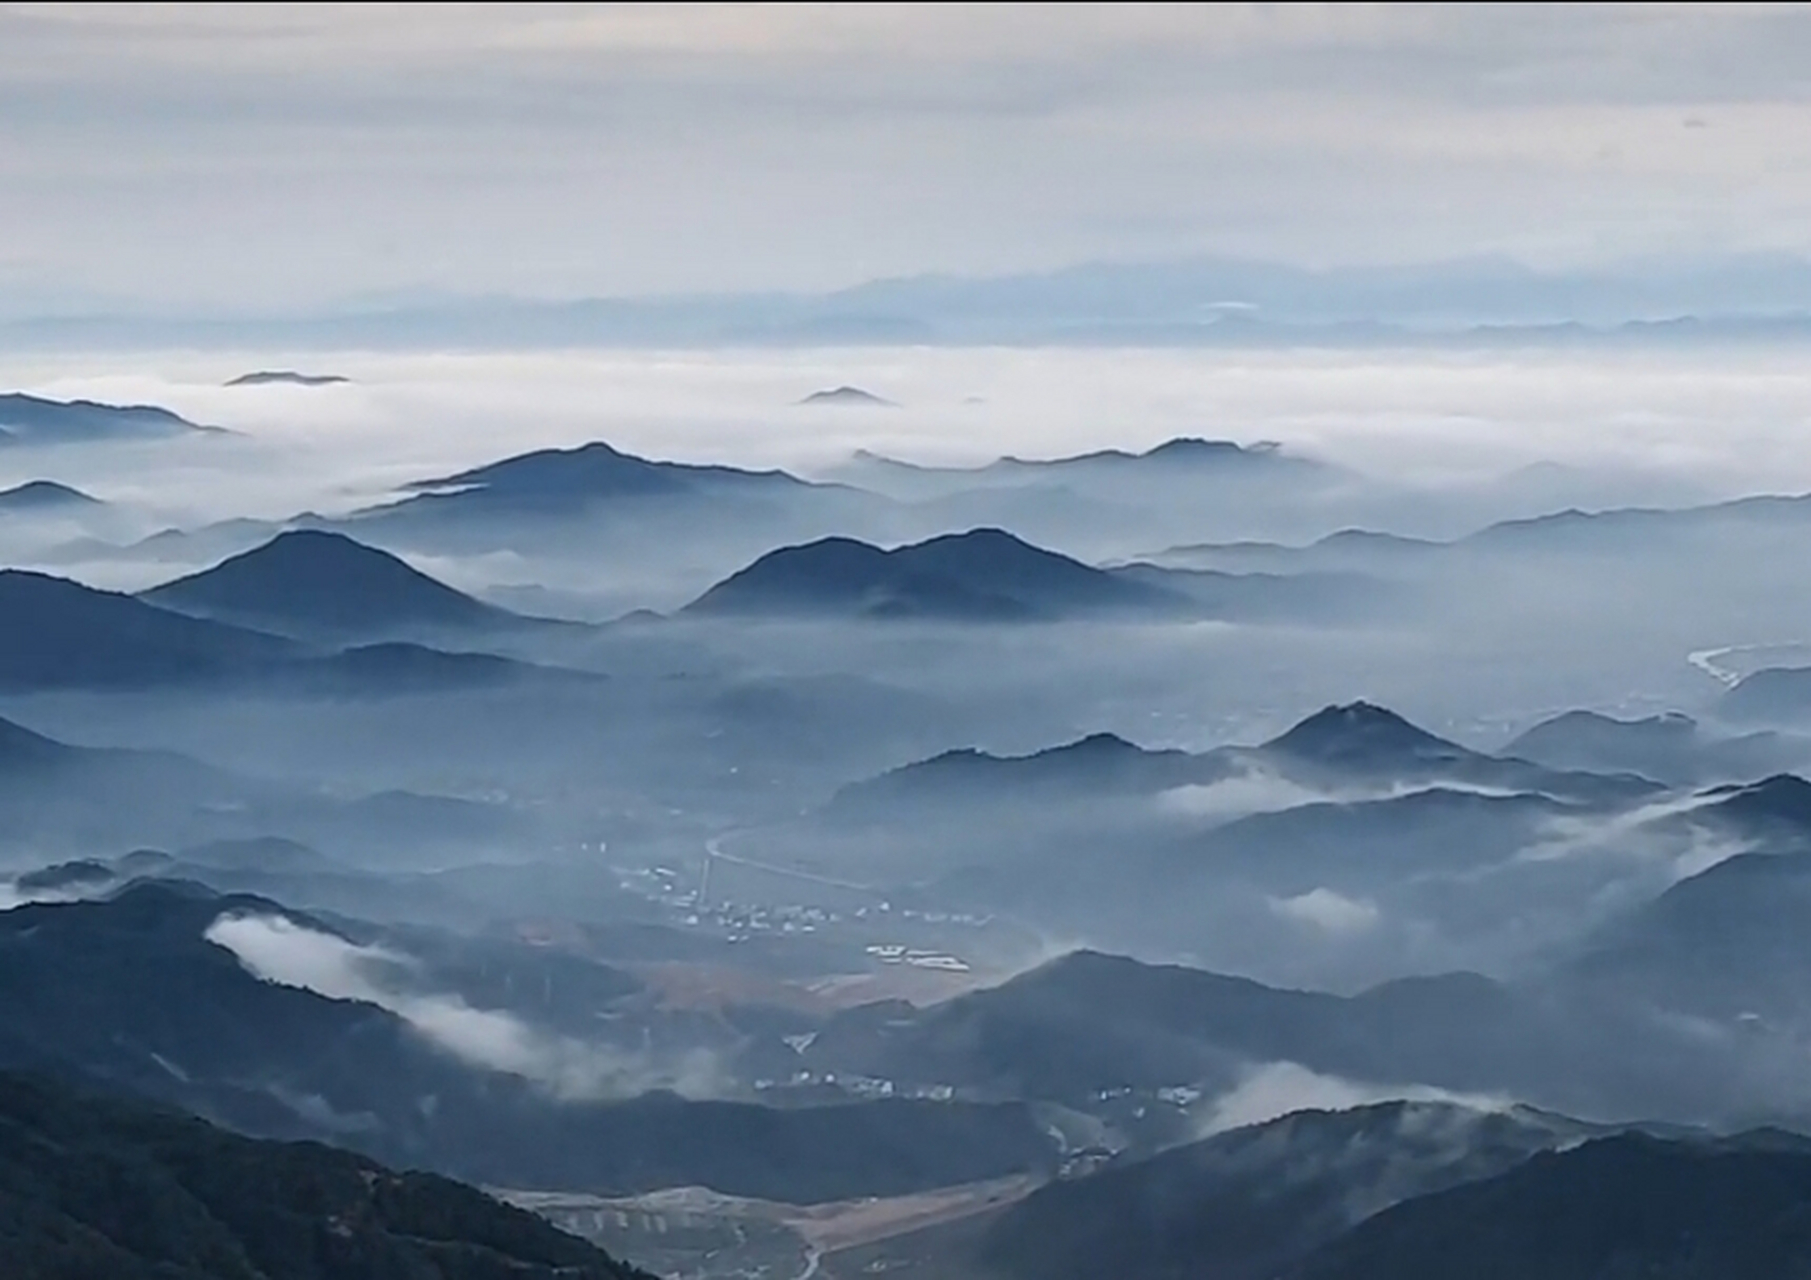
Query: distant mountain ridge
(592, 471)
(1344, 745)
(269, 377)
(28, 419)
(981, 575)
(847, 395)
(45, 495)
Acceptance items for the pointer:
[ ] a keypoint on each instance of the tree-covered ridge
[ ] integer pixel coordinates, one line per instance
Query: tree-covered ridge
(94, 1187)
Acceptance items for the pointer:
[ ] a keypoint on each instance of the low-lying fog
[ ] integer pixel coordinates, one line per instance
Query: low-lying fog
(1667, 425)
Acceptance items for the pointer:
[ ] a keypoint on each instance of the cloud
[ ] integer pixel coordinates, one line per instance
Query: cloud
(1330, 912)
(1275, 1089)
(281, 951)
(1253, 791)
(1260, 791)
(1569, 836)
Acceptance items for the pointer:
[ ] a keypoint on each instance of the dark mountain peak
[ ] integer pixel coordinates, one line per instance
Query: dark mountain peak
(549, 480)
(1361, 733)
(1198, 449)
(1094, 745)
(269, 377)
(592, 467)
(311, 580)
(846, 395)
(984, 550)
(44, 495)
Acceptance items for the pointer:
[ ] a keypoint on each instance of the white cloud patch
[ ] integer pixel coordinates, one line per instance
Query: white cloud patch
(1255, 791)
(1569, 836)
(281, 951)
(1276, 1089)
(1329, 912)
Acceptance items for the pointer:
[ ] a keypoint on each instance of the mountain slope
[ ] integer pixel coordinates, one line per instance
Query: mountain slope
(1244, 1204)
(1623, 1206)
(28, 419)
(982, 575)
(1771, 695)
(312, 582)
(98, 1186)
(65, 635)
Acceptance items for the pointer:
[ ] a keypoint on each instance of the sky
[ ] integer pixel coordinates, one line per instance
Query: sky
(268, 158)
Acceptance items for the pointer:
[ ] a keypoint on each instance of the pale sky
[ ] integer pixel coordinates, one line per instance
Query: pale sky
(274, 156)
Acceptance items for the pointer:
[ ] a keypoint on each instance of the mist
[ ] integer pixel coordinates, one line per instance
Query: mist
(279, 950)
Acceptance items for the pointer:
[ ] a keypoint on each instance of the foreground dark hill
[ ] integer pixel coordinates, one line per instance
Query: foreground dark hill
(1619, 1207)
(1244, 1204)
(86, 988)
(26, 419)
(983, 575)
(61, 634)
(314, 583)
(93, 1186)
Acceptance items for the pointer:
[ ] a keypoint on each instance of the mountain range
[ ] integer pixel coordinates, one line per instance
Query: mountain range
(985, 575)
(1101, 303)
(27, 419)
(1348, 747)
